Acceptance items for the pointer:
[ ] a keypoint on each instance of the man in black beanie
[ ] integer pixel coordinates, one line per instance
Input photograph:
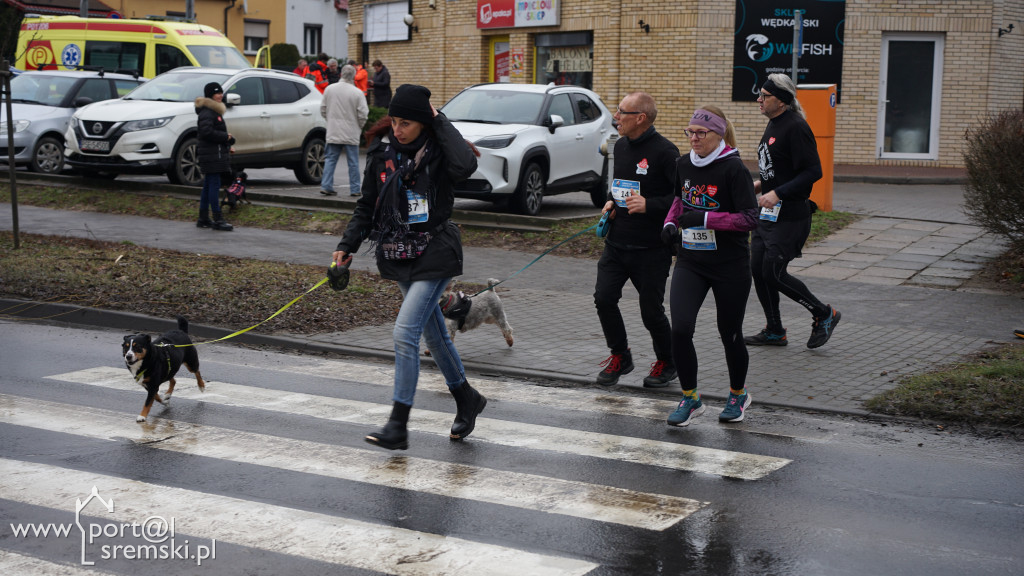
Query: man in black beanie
(412, 102)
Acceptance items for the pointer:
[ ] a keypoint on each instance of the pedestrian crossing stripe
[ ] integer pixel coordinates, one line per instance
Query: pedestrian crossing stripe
(503, 432)
(526, 491)
(278, 529)
(13, 563)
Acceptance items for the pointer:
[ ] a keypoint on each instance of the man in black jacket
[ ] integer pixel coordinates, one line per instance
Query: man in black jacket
(641, 194)
(787, 159)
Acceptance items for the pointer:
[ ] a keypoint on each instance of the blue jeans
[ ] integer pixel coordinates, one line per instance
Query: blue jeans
(420, 316)
(331, 156)
(209, 198)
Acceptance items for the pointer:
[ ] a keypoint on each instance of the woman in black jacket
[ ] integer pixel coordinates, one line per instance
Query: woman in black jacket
(404, 212)
(214, 154)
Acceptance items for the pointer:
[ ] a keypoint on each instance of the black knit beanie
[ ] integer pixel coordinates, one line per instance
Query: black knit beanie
(212, 88)
(412, 102)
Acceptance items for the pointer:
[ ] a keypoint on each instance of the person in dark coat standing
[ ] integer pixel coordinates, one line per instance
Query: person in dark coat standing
(405, 211)
(214, 154)
(381, 84)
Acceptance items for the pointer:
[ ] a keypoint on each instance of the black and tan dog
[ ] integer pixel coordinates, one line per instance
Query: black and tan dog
(153, 362)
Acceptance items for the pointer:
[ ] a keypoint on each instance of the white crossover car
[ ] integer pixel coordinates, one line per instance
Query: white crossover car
(274, 117)
(534, 140)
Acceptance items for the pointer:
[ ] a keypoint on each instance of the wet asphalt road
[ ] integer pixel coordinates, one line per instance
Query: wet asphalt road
(271, 465)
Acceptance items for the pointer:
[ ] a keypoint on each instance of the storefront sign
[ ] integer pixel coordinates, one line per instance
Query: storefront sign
(764, 43)
(570, 59)
(516, 13)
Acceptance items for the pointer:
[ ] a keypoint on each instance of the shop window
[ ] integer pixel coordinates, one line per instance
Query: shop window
(565, 58)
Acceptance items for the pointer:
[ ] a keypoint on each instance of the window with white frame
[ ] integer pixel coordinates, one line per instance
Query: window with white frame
(383, 21)
(313, 39)
(257, 33)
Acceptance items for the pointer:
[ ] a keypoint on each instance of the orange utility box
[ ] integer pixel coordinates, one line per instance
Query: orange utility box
(819, 102)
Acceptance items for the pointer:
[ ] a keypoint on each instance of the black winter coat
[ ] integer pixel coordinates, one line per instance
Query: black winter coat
(214, 149)
(443, 256)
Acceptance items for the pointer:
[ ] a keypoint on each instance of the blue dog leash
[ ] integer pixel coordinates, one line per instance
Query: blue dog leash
(599, 227)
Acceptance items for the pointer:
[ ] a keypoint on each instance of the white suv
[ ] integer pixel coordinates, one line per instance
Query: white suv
(274, 117)
(534, 140)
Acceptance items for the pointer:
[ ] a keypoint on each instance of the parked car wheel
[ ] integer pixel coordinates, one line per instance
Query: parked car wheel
(311, 167)
(599, 193)
(185, 169)
(48, 156)
(530, 194)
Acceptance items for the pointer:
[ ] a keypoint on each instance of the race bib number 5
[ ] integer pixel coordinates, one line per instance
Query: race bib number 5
(771, 214)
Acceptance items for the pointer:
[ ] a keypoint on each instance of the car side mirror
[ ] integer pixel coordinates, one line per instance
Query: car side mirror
(232, 99)
(82, 101)
(554, 121)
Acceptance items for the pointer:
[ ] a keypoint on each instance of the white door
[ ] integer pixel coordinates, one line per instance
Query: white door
(910, 94)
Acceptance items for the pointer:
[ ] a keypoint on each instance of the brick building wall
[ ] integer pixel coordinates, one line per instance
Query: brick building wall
(686, 59)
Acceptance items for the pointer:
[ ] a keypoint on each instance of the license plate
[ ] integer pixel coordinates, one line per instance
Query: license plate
(95, 145)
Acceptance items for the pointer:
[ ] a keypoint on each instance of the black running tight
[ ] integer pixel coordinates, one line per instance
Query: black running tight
(730, 283)
(770, 278)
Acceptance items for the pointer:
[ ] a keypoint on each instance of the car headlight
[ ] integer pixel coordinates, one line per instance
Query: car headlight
(502, 141)
(19, 126)
(136, 125)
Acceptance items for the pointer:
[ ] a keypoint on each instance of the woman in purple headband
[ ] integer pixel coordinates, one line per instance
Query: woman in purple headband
(710, 220)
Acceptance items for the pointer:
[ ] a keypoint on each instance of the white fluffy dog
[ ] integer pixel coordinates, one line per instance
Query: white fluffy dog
(463, 313)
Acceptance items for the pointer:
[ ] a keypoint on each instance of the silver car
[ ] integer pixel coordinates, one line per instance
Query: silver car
(42, 105)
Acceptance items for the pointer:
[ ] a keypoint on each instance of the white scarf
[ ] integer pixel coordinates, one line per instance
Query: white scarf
(702, 162)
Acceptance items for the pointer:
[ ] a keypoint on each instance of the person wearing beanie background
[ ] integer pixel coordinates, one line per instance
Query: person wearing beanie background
(640, 198)
(710, 221)
(404, 212)
(213, 153)
(787, 159)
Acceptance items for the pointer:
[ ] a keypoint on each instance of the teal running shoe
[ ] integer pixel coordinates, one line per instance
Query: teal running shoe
(734, 408)
(688, 410)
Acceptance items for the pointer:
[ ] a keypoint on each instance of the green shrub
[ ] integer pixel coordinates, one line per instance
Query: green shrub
(994, 158)
(282, 54)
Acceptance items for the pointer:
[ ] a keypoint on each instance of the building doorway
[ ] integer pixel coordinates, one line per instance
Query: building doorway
(910, 93)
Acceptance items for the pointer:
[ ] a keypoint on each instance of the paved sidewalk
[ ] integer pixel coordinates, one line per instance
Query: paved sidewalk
(895, 275)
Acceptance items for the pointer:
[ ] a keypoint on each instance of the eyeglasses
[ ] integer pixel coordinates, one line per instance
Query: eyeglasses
(763, 96)
(620, 111)
(700, 134)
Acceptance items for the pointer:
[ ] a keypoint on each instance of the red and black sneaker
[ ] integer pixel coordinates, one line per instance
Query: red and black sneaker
(661, 374)
(614, 366)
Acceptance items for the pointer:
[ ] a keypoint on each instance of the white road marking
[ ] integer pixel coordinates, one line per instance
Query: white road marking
(563, 440)
(12, 563)
(527, 491)
(278, 529)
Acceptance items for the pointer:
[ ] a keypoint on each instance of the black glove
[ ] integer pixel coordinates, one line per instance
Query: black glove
(692, 219)
(231, 141)
(669, 234)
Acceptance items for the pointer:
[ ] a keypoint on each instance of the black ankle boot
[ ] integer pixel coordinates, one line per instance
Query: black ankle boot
(468, 404)
(394, 436)
(220, 224)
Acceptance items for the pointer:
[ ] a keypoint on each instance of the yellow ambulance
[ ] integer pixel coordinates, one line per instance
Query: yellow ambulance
(148, 46)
